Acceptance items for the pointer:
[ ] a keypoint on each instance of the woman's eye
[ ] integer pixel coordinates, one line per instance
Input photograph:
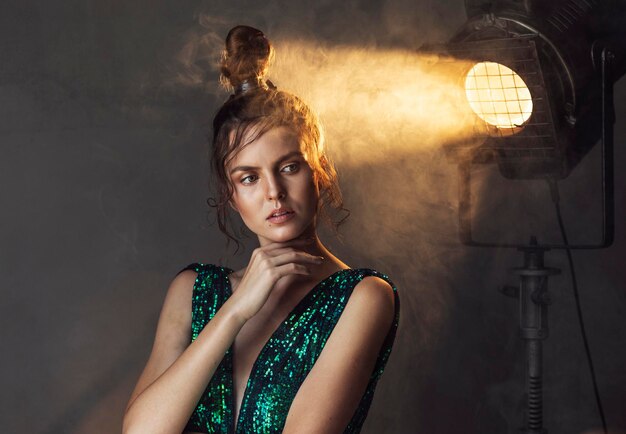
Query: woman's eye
(290, 168)
(248, 179)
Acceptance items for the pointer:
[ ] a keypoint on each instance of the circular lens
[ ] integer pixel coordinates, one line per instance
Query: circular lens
(498, 95)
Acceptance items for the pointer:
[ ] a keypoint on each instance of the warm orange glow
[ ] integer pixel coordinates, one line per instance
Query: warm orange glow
(377, 103)
(498, 95)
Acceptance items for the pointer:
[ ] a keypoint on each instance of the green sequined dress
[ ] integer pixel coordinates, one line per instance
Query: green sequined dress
(284, 361)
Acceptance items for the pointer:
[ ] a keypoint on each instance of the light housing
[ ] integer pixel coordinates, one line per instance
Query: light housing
(568, 54)
(552, 49)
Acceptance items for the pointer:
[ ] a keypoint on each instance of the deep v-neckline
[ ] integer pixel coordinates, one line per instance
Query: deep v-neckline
(295, 311)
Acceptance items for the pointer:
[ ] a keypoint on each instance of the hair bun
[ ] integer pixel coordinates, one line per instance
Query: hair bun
(246, 57)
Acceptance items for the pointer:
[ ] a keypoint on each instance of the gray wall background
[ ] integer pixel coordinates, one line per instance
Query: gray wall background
(103, 179)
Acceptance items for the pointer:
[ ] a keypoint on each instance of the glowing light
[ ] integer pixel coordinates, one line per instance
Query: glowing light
(498, 95)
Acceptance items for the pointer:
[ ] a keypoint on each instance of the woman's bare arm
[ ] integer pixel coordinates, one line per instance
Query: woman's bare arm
(177, 373)
(331, 392)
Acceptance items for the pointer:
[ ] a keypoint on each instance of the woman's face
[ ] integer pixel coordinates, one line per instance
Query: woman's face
(274, 191)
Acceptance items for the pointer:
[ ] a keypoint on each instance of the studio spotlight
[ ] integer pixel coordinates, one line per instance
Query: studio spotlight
(540, 78)
(539, 87)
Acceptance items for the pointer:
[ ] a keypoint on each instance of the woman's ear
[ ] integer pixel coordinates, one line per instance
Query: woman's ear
(232, 205)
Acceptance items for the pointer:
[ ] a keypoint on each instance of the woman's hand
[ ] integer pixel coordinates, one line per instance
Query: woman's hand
(267, 265)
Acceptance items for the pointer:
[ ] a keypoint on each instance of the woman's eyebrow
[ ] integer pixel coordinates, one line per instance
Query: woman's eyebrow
(280, 160)
(289, 155)
(242, 169)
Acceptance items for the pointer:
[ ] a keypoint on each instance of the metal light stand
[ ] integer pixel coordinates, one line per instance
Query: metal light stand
(533, 304)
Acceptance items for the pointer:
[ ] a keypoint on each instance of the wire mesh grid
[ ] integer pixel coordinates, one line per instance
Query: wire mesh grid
(498, 95)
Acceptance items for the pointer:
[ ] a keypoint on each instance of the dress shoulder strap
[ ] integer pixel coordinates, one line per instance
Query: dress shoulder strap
(209, 293)
(213, 413)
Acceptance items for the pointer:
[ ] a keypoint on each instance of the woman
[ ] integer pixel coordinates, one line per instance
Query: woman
(294, 342)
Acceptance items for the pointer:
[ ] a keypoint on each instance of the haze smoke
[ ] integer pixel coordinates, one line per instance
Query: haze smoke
(401, 100)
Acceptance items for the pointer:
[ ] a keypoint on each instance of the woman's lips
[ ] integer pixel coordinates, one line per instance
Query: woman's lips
(280, 216)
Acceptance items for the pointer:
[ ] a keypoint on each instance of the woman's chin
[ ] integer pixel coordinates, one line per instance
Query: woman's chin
(285, 236)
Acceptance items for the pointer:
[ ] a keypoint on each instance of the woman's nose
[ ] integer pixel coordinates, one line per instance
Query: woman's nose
(275, 189)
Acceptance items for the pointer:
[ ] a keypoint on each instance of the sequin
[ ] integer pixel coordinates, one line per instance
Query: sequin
(284, 361)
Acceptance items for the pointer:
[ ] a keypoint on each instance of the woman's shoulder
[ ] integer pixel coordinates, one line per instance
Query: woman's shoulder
(367, 280)
(196, 268)
(185, 281)
(374, 294)
(372, 281)
(374, 286)
(201, 280)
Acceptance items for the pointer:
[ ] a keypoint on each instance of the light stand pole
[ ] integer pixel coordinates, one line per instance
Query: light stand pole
(533, 309)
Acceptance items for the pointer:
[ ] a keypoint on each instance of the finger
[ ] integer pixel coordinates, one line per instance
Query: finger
(295, 257)
(282, 251)
(293, 268)
(260, 255)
